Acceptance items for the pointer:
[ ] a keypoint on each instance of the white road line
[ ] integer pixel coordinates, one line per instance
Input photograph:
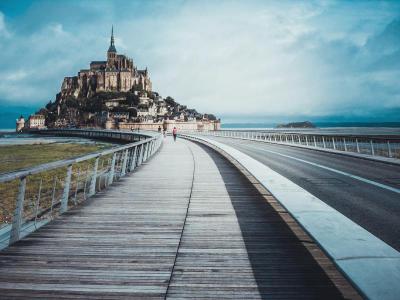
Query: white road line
(383, 186)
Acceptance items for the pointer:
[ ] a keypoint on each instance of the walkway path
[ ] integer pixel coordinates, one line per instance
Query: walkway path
(187, 225)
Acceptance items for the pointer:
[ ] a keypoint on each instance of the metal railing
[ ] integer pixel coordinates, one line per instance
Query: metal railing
(381, 146)
(32, 197)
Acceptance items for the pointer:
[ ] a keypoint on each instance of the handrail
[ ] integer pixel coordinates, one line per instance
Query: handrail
(81, 177)
(65, 162)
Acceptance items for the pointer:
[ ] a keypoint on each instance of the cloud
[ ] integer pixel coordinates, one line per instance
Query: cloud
(230, 58)
(3, 30)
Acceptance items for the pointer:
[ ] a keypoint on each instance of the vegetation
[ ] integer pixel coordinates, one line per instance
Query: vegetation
(15, 157)
(306, 124)
(51, 182)
(170, 101)
(132, 99)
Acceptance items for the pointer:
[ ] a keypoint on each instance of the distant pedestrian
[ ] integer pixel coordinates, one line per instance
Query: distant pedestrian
(165, 132)
(159, 129)
(174, 133)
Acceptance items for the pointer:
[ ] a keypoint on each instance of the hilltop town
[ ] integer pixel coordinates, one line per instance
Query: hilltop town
(115, 94)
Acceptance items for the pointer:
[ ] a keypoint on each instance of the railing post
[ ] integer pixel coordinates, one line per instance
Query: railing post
(140, 160)
(146, 146)
(38, 200)
(389, 149)
(372, 148)
(358, 146)
(148, 150)
(133, 160)
(323, 142)
(18, 213)
(86, 180)
(139, 153)
(315, 141)
(65, 196)
(333, 143)
(345, 145)
(77, 185)
(101, 175)
(307, 140)
(151, 148)
(124, 163)
(112, 169)
(53, 196)
(143, 159)
(92, 188)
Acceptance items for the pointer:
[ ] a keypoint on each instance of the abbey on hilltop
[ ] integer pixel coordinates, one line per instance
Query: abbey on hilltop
(117, 73)
(115, 94)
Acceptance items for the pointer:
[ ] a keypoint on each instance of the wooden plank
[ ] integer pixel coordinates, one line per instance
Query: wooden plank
(236, 245)
(123, 242)
(119, 244)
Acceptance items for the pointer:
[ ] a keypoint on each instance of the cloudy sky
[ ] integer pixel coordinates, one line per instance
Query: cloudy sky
(238, 59)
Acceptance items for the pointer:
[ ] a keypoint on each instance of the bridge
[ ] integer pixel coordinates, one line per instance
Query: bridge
(198, 218)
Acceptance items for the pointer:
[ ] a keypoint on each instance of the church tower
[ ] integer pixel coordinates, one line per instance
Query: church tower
(112, 52)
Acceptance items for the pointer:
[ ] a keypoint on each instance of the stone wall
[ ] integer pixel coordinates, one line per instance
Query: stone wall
(170, 124)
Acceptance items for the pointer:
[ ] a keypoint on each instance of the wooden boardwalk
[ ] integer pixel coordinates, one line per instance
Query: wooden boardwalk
(188, 224)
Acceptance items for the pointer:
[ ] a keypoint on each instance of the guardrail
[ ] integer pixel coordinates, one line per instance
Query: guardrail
(367, 145)
(32, 197)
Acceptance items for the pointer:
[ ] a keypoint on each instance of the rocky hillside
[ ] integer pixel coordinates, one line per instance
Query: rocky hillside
(92, 109)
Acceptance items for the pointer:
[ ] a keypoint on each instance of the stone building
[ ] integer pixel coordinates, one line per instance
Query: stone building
(20, 124)
(114, 93)
(34, 122)
(117, 73)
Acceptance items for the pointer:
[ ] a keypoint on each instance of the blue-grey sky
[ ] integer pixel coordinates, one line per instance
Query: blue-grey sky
(272, 59)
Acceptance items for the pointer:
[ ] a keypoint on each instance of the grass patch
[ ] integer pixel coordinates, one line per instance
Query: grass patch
(14, 157)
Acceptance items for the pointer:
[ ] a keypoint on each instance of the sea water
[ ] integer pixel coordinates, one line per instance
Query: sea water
(10, 138)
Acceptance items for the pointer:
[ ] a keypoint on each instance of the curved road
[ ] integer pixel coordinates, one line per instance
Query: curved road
(372, 199)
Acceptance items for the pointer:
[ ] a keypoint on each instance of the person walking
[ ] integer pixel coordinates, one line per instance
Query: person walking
(164, 129)
(159, 129)
(174, 132)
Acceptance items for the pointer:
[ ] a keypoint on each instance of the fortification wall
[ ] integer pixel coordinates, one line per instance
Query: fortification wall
(170, 124)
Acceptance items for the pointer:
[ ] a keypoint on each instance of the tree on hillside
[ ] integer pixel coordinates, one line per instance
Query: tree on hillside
(170, 101)
(132, 99)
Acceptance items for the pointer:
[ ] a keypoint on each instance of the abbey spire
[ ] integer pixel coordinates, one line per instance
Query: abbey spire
(112, 45)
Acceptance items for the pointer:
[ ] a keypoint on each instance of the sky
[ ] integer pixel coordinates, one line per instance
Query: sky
(241, 60)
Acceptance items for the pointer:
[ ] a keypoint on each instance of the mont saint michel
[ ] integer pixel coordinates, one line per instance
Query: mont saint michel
(121, 181)
(115, 94)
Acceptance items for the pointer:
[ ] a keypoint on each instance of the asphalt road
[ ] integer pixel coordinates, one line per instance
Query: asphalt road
(372, 200)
